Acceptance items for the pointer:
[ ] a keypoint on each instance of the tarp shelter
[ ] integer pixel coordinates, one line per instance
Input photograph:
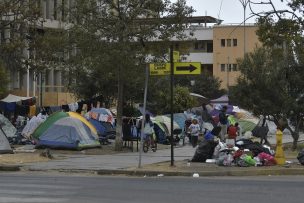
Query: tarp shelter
(66, 130)
(101, 114)
(4, 144)
(223, 100)
(31, 126)
(13, 98)
(7, 127)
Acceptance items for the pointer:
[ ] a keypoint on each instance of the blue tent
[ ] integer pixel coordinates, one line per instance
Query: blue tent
(104, 129)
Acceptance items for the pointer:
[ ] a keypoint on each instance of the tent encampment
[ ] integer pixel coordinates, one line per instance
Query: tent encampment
(66, 130)
(5, 147)
(7, 127)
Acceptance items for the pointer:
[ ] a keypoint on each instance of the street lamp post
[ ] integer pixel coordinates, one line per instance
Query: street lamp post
(244, 4)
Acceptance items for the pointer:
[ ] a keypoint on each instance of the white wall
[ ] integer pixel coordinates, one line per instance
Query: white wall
(204, 58)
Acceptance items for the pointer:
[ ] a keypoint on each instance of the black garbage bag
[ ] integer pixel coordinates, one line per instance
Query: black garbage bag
(300, 157)
(204, 151)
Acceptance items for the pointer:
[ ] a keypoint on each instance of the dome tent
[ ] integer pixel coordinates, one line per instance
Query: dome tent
(67, 131)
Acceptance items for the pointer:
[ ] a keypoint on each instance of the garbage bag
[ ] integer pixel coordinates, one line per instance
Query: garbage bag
(204, 151)
(300, 157)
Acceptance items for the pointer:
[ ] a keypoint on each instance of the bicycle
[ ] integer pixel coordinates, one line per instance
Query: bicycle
(149, 143)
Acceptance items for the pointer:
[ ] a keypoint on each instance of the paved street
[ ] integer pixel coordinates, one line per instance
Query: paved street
(31, 188)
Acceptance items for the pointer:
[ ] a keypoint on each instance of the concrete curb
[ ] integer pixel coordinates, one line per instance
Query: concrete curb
(265, 172)
(9, 168)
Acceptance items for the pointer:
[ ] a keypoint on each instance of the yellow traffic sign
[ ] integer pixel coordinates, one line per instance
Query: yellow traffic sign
(159, 68)
(187, 68)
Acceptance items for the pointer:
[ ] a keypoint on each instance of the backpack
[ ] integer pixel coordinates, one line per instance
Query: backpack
(148, 129)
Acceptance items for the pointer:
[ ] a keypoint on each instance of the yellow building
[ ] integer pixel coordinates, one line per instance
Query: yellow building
(229, 44)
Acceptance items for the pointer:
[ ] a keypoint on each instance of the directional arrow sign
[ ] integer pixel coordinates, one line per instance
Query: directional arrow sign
(185, 68)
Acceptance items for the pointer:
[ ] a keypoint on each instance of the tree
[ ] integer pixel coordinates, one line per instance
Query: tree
(16, 19)
(281, 32)
(120, 31)
(266, 88)
(3, 81)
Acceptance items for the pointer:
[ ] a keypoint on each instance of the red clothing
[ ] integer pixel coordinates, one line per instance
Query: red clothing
(232, 132)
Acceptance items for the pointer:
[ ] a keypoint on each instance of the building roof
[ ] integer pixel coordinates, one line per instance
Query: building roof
(191, 20)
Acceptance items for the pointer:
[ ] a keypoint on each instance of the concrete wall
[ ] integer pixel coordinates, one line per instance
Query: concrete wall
(229, 54)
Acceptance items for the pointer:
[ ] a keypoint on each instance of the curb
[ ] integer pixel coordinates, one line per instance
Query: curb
(151, 173)
(265, 172)
(9, 168)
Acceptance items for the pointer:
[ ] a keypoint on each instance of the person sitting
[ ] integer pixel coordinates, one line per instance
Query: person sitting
(233, 131)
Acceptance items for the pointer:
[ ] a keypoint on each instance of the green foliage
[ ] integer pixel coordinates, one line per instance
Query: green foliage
(116, 37)
(161, 100)
(204, 84)
(17, 17)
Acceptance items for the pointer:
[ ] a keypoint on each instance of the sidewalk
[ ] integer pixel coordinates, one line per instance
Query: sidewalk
(155, 163)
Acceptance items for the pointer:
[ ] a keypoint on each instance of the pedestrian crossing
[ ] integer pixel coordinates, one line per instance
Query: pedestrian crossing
(30, 191)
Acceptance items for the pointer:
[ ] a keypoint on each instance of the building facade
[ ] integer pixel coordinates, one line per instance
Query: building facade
(217, 47)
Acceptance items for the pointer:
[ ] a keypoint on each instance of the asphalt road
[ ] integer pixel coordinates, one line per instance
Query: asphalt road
(42, 188)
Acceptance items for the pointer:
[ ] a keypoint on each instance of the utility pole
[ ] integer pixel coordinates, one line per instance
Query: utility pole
(244, 4)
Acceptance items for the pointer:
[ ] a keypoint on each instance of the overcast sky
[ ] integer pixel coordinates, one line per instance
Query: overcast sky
(231, 11)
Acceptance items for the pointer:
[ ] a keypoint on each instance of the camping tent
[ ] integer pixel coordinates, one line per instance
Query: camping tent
(104, 129)
(167, 121)
(7, 127)
(179, 118)
(31, 126)
(4, 144)
(161, 132)
(66, 130)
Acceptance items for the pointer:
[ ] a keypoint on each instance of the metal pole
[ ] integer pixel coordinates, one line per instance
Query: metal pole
(228, 69)
(171, 102)
(143, 118)
(244, 4)
(245, 28)
(28, 74)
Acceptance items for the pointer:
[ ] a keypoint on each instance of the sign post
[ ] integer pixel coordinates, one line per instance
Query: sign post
(173, 68)
(171, 102)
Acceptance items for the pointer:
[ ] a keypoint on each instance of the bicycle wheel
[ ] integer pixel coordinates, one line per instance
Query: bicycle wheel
(145, 147)
(154, 147)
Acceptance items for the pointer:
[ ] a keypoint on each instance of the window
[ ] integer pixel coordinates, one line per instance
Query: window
(196, 45)
(234, 42)
(229, 67)
(223, 42)
(234, 67)
(228, 42)
(223, 67)
(199, 45)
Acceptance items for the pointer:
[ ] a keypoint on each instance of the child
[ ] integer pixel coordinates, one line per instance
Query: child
(194, 130)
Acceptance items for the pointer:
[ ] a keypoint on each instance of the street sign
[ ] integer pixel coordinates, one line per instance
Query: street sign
(187, 68)
(159, 68)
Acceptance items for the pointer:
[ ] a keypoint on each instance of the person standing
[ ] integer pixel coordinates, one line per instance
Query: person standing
(223, 121)
(194, 130)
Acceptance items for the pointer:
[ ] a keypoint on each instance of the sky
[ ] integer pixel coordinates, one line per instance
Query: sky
(231, 11)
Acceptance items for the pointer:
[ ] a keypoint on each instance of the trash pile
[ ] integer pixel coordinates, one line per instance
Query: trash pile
(244, 153)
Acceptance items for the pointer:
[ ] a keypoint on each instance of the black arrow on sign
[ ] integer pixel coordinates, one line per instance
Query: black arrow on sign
(189, 68)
